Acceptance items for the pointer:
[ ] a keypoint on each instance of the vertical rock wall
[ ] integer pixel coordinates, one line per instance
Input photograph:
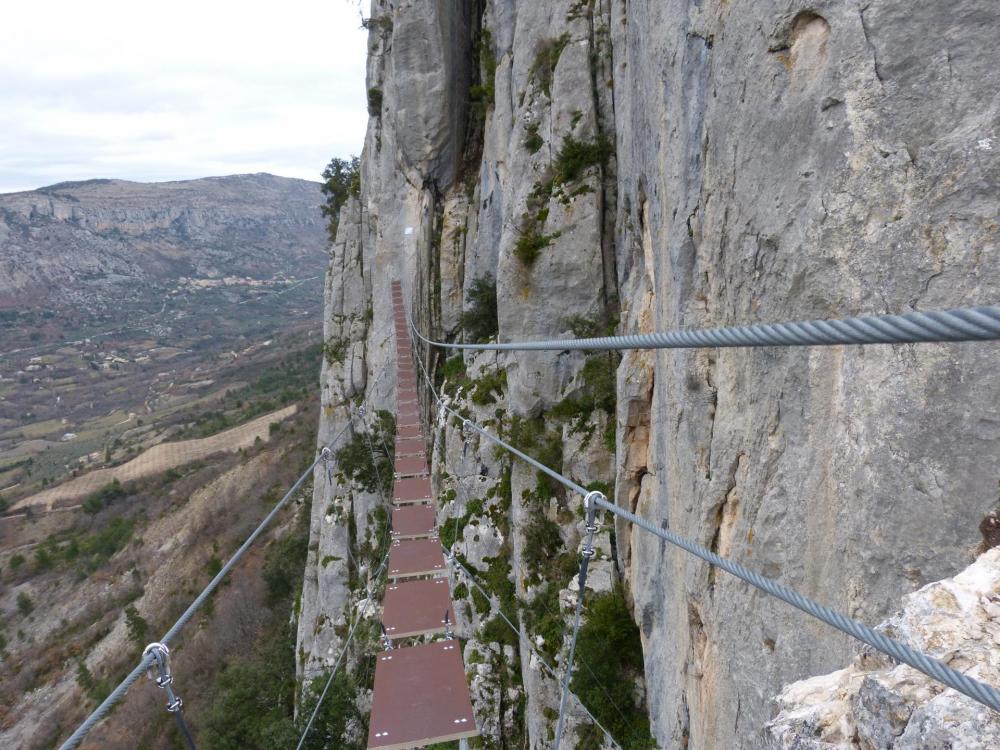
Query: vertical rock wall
(788, 161)
(682, 164)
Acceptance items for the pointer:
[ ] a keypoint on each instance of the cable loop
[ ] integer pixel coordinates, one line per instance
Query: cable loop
(590, 500)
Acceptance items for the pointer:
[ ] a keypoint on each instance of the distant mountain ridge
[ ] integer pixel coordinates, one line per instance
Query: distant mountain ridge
(94, 240)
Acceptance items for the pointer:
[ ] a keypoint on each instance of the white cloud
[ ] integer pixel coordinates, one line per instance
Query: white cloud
(144, 91)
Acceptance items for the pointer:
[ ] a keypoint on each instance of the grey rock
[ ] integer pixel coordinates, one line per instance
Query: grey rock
(876, 704)
(771, 162)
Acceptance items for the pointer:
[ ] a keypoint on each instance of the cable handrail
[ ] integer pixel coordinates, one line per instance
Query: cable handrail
(148, 659)
(979, 691)
(453, 558)
(979, 323)
(368, 588)
(527, 642)
(343, 651)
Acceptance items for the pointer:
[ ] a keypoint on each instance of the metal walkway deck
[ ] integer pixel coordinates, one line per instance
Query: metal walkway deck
(421, 696)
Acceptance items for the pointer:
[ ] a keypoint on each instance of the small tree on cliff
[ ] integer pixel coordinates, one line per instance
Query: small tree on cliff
(341, 178)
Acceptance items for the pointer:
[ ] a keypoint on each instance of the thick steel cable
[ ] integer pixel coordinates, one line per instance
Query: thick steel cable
(531, 646)
(961, 324)
(588, 552)
(978, 691)
(343, 651)
(982, 693)
(116, 695)
(548, 609)
(448, 553)
(182, 725)
(213, 584)
(108, 703)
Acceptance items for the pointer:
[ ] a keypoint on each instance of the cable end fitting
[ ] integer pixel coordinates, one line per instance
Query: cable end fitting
(590, 503)
(161, 661)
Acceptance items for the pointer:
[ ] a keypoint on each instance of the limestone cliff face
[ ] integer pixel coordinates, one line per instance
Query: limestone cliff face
(654, 165)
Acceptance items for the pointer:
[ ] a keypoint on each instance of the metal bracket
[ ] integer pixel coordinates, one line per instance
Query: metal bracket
(162, 676)
(590, 513)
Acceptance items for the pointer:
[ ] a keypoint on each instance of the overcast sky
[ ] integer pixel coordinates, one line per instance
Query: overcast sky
(148, 91)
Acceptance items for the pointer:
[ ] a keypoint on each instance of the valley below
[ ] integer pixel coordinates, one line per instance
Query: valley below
(159, 350)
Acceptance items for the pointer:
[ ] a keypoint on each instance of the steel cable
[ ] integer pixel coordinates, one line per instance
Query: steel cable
(588, 552)
(116, 695)
(978, 691)
(343, 651)
(982, 693)
(531, 646)
(454, 559)
(961, 324)
(385, 540)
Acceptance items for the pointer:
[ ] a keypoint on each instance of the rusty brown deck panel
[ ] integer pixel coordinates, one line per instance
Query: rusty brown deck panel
(412, 489)
(409, 446)
(413, 608)
(420, 697)
(413, 522)
(409, 558)
(409, 431)
(414, 455)
(409, 466)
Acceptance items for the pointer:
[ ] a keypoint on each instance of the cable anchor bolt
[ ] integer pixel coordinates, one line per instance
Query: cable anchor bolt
(162, 676)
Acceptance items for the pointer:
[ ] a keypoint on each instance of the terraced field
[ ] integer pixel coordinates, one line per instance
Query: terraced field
(158, 459)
